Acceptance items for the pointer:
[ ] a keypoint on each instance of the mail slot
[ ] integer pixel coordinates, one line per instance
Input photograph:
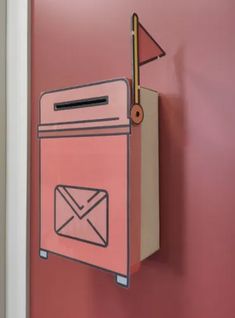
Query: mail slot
(99, 177)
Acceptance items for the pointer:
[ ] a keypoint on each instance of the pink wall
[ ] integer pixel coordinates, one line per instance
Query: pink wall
(75, 42)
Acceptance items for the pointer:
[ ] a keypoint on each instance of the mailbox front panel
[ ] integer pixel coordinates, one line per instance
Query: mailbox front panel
(84, 174)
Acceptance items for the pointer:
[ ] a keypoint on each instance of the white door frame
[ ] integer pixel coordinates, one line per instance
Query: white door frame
(2, 153)
(17, 150)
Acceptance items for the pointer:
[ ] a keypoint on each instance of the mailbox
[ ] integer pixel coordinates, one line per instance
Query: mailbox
(99, 188)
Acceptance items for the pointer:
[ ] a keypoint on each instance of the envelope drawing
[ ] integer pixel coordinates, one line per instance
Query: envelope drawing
(82, 214)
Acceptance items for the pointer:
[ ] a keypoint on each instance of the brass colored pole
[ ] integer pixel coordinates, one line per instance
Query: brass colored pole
(136, 73)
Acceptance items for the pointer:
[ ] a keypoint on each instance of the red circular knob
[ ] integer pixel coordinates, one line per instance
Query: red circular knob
(137, 114)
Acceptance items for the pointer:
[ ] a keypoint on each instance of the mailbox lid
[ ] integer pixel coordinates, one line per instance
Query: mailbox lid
(93, 106)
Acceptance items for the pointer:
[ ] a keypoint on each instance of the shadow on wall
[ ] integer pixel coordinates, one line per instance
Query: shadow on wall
(172, 141)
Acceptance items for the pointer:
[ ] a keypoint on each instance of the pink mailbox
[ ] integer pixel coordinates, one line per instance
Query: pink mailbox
(99, 176)
(99, 196)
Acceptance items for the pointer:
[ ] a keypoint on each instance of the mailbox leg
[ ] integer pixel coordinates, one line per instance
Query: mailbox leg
(122, 280)
(43, 254)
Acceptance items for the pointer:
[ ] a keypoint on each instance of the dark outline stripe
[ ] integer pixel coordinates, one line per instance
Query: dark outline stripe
(97, 232)
(67, 222)
(75, 202)
(94, 195)
(68, 202)
(87, 128)
(87, 135)
(80, 121)
(95, 205)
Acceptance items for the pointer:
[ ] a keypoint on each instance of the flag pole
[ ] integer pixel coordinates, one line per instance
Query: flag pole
(136, 70)
(137, 113)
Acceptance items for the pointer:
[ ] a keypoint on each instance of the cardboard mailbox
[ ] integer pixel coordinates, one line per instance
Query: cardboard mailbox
(99, 196)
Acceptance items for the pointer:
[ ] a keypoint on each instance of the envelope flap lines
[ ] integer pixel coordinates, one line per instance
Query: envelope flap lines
(82, 201)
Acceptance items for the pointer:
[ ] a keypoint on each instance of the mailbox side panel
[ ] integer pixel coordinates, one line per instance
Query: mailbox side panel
(150, 229)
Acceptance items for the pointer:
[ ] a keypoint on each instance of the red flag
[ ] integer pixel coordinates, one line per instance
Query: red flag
(145, 49)
(149, 49)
